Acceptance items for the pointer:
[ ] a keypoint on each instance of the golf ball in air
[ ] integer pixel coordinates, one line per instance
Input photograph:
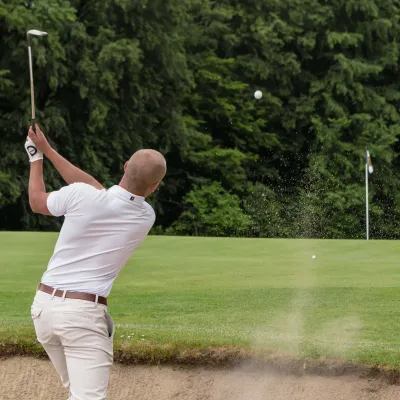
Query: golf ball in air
(258, 94)
(313, 257)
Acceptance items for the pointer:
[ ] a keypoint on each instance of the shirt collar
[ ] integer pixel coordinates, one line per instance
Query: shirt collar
(123, 194)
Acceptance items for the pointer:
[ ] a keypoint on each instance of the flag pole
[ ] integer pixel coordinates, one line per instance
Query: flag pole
(366, 200)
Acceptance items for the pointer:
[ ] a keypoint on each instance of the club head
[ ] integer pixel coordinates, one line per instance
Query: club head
(35, 32)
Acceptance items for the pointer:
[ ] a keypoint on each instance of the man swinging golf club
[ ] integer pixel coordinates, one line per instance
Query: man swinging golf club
(101, 230)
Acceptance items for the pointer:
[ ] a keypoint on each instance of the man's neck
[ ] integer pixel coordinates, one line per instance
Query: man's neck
(131, 190)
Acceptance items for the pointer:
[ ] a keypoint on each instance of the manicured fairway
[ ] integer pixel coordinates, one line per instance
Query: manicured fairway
(206, 292)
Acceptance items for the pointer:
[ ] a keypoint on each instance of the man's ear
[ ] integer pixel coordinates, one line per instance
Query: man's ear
(126, 166)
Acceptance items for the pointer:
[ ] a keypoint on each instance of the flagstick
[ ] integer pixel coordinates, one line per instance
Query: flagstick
(366, 200)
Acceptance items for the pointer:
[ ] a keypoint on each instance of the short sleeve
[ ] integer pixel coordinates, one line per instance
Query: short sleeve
(63, 201)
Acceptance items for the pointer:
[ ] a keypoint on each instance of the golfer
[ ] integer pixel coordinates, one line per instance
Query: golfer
(101, 230)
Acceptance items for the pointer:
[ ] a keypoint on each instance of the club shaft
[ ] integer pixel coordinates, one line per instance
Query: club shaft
(32, 85)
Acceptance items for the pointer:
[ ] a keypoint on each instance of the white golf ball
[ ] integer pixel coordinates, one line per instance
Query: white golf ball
(314, 257)
(258, 94)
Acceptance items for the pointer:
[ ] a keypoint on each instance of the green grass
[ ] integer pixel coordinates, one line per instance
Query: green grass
(246, 293)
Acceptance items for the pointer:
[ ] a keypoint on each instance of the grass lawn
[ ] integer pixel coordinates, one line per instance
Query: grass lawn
(245, 293)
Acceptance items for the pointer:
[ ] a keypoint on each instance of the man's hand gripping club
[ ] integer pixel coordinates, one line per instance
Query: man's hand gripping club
(34, 145)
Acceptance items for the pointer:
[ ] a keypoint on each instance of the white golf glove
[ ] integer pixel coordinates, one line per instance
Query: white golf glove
(33, 153)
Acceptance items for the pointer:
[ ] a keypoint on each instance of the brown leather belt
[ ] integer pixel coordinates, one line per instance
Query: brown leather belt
(73, 295)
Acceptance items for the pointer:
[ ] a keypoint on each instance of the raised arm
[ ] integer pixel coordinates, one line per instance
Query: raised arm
(68, 171)
(37, 190)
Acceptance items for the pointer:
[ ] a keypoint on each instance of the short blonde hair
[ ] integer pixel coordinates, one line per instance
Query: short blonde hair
(145, 169)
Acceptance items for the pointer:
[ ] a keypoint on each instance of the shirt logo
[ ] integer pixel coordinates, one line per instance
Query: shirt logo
(132, 198)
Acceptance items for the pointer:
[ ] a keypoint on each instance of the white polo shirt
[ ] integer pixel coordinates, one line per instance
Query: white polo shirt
(101, 230)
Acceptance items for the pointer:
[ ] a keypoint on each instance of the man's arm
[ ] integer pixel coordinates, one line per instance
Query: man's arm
(67, 170)
(37, 190)
(58, 203)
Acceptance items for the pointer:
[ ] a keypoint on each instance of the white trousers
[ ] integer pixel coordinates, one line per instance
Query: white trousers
(78, 338)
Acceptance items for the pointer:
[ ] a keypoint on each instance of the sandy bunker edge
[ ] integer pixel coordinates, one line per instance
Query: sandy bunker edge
(228, 358)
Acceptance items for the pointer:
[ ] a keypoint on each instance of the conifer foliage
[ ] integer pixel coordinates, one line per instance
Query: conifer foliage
(179, 76)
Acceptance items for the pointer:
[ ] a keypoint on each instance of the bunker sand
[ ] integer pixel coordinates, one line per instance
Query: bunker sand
(33, 379)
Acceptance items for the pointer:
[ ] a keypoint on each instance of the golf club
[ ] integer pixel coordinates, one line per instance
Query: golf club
(33, 32)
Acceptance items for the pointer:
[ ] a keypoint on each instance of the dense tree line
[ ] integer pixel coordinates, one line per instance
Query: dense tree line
(179, 76)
